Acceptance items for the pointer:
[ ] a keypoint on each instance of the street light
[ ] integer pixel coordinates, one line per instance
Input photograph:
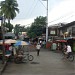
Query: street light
(47, 22)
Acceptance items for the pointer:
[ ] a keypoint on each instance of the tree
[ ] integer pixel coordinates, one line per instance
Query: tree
(18, 28)
(9, 26)
(9, 8)
(32, 35)
(38, 26)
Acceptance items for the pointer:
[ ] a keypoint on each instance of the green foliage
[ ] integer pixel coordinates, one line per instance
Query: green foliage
(37, 27)
(18, 29)
(31, 35)
(9, 26)
(9, 9)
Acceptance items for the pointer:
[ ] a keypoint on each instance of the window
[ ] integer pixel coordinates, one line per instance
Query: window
(73, 31)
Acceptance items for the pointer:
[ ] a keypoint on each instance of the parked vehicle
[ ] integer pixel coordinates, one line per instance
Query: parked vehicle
(23, 57)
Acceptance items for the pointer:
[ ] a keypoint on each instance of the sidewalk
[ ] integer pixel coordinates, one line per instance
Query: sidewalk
(2, 66)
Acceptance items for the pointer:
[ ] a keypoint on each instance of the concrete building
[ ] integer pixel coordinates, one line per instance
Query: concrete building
(62, 30)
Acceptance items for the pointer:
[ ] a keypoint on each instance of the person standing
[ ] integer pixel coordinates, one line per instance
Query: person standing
(38, 46)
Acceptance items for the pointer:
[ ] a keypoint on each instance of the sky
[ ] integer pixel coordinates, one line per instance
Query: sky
(58, 11)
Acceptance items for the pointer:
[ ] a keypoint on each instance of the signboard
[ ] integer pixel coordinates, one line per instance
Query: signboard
(52, 32)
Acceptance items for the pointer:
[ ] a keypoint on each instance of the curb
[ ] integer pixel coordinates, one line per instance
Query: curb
(3, 68)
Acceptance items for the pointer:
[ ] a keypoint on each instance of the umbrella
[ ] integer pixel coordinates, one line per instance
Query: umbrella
(21, 43)
(8, 41)
(61, 40)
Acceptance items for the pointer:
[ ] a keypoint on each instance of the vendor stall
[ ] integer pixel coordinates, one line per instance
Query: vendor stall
(60, 44)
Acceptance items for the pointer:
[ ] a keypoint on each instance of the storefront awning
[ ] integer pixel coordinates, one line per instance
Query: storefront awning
(61, 40)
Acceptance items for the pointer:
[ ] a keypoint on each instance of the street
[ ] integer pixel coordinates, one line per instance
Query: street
(47, 63)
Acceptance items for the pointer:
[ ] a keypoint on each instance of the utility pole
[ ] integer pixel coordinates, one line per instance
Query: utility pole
(3, 43)
(46, 22)
(3, 38)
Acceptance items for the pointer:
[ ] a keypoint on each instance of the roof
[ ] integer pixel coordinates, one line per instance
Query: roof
(69, 24)
(10, 34)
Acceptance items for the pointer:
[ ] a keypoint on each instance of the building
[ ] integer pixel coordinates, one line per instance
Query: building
(68, 30)
(54, 31)
(63, 32)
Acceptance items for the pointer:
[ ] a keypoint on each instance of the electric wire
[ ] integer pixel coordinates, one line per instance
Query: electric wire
(55, 19)
(29, 9)
(64, 21)
(62, 17)
(45, 8)
(33, 9)
(42, 4)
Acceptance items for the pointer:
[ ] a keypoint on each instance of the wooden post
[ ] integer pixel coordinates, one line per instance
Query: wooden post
(3, 44)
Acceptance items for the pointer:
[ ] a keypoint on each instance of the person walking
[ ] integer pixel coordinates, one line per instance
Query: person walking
(38, 46)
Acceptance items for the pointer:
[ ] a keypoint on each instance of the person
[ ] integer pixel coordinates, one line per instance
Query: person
(68, 51)
(43, 44)
(54, 46)
(10, 49)
(7, 51)
(40, 42)
(14, 51)
(38, 46)
(64, 48)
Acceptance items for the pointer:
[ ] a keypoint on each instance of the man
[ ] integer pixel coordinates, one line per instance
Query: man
(38, 46)
(68, 51)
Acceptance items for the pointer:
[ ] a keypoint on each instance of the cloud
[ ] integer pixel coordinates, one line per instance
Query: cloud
(64, 12)
(23, 22)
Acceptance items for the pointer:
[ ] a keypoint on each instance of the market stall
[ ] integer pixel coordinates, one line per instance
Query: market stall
(60, 44)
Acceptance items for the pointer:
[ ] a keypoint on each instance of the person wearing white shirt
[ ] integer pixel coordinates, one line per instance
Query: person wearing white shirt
(38, 46)
(69, 50)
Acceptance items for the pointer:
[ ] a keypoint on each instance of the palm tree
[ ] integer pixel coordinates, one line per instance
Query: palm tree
(9, 9)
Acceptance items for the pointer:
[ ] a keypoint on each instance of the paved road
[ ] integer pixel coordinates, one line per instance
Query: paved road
(48, 63)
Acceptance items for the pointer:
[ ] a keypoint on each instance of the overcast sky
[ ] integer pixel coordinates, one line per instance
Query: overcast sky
(30, 9)
(58, 11)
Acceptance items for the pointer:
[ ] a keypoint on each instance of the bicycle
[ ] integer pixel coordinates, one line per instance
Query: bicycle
(23, 58)
(69, 56)
(28, 57)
